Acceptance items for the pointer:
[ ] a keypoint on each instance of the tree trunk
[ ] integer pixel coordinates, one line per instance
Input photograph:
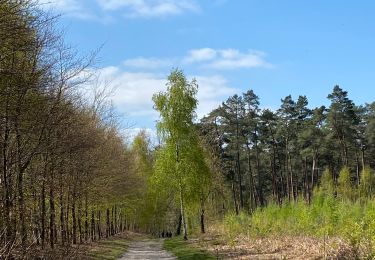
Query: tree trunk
(287, 169)
(179, 226)
(108, 232)
(251, 181)
(202, 217)
(86, 219)
(260, 181)
(80, 221)
(183, 220)
(62, 225)
(74, 219)
(7, 186)
(293, 191)
(363, 158)
(99, 227)
(52, 213)
(313, 172)
(234, 195)
(357, 168)
(92, 225)
(43, 220)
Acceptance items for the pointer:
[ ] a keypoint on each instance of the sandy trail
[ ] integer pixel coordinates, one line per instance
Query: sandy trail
(148, 249)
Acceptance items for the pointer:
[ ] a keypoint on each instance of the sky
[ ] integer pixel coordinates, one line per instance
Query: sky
(274, 47)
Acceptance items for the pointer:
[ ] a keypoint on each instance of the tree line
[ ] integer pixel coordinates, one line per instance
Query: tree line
(281, 155)
(65, 175)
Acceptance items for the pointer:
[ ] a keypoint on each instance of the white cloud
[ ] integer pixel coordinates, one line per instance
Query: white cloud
(218, 59)
(227, 58)
(199, 55)
(148, 63)
(149, 8)
(72, 8)
(134, 91)
(131, 8)
(211, 92)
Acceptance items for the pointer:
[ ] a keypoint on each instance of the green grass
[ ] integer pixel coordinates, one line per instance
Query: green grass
(183, 250)
(112, 248)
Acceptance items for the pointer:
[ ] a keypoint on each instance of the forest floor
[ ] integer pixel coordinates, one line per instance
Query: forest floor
(214, 245)
(111, 248)
(281, 247)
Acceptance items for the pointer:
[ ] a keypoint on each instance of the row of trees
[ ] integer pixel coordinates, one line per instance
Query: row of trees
(65, 172)
(280, 155)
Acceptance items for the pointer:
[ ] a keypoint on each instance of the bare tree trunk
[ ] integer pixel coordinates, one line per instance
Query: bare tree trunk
(7, 185)
(293, 191)
(287, 169)
(99, 225)
(183, 220)
(313, 172)
(80, 221)
(52, 213)
(108, 230)
(202, 217)
(43, 216)
(179, 226)
(67, 228)
(74, 218)
(86, 219)
(92, 225)
(260, 181)
(62, 218)
(251, 181)
(35, 217)
(234, 195)
(357, 168)
(363, 158)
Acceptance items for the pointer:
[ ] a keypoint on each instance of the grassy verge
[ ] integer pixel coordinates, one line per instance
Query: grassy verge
(185, 249)
(111, 248)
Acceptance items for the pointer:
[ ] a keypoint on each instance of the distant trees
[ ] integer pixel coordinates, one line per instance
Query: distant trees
(288, 150)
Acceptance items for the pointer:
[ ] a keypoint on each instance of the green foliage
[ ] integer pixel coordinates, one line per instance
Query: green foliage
(367, 183)
(326, 216)
(326, 187)
(344, 185)
(185, 251)
(180, 170)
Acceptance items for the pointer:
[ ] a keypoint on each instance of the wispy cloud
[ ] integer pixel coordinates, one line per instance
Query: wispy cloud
(104, 9)
(149, 8)
(148, 63)
(72, 8)
(227, 58)
(208, 58)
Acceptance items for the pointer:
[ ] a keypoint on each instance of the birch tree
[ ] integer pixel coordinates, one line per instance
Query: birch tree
(179, 163)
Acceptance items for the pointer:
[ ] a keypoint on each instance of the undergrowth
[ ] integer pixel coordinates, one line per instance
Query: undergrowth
(325, 217)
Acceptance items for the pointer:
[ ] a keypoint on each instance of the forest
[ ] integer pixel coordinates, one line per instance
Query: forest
(70, 177)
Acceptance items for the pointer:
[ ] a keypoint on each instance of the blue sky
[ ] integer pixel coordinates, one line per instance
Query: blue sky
(274, 47)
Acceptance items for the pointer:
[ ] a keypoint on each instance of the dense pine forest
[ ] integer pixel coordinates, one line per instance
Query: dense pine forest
(70, 177)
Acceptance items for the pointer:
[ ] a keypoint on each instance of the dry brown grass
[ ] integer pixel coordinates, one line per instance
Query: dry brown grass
(276, 247)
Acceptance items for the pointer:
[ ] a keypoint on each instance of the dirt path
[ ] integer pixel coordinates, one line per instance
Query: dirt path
(150, 249)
